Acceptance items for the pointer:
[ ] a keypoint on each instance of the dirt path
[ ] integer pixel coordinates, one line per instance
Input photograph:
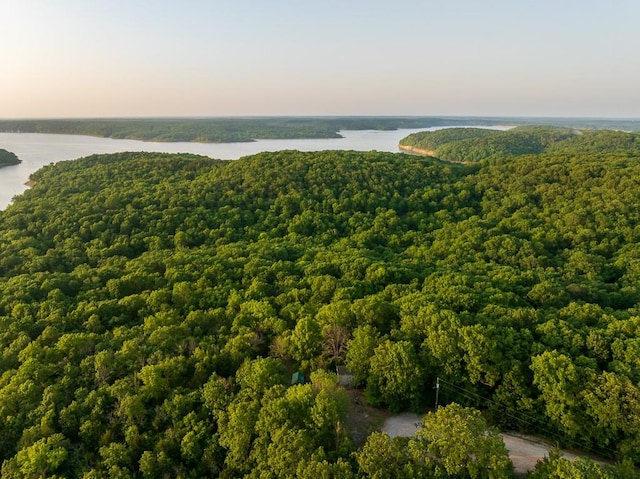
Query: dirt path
(363, 419)
(524, 451)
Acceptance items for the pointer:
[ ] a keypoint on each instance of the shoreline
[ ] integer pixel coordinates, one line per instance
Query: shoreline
(431, 154)
(417, 151)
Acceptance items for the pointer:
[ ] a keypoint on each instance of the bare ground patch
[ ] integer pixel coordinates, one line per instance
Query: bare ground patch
(362, 419)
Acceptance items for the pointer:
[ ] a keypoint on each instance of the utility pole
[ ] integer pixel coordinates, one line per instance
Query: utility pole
(437, 391)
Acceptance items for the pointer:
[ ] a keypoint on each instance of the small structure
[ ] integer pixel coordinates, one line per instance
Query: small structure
(297, 378)
(345, 378)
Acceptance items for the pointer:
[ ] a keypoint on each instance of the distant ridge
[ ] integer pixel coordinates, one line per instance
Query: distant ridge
(243, 129)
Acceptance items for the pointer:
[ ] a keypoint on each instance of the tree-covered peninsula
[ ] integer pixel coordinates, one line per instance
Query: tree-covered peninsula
(8, 158)
(476, 144)
(155, 307)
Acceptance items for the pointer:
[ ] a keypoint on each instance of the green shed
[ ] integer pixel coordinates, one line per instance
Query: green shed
(297, 378)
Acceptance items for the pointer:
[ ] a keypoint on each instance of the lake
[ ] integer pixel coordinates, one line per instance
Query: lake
(37, 150)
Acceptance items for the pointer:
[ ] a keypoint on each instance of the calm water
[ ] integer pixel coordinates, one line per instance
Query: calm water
(36, 150)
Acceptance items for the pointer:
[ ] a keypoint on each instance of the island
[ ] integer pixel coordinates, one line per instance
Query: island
(8, 158)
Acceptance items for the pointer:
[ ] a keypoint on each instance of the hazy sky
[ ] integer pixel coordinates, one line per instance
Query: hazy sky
(105, 58)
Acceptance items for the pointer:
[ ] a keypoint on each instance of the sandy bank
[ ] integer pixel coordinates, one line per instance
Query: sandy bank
(416, 151)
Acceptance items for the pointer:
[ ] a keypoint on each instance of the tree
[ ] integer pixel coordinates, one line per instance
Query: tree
(336, 337)
(457, 441)
(317, 468)
(287, 447)
(257, 376)
(40, 459)
(384, 458)
(359, 351)
(305, 342)
(557, 467)
(561, 382)
(237, 433)
(614, 404)
(396, 378)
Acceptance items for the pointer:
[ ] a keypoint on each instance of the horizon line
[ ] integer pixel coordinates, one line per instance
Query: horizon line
(208, 117)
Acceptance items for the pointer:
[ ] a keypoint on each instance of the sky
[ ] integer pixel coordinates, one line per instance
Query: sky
(147, 58)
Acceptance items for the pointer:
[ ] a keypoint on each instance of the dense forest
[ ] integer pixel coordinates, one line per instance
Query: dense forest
(220, 130)
(8, 158)
(154, 308)
(476, 144)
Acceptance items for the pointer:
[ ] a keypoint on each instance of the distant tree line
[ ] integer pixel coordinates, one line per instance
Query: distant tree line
(224, 130)
(218, 130)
